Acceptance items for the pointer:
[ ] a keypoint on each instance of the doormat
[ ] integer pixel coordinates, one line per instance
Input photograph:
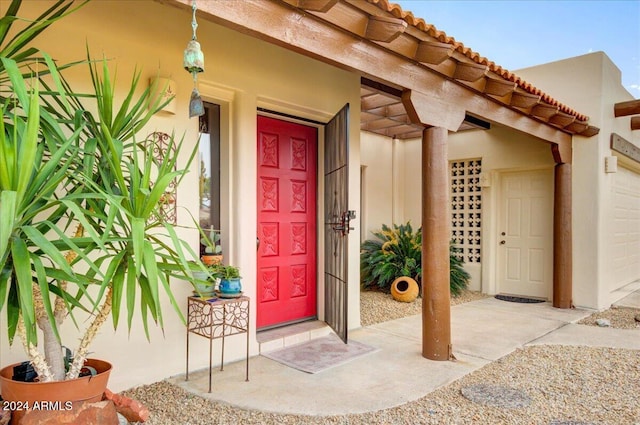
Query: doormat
(523, 300)
(320, 354)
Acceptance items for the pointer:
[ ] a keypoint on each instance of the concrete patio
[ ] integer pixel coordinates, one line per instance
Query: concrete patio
(482, 331)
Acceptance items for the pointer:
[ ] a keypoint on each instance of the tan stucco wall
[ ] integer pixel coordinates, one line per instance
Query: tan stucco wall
(241, 74)
(501, 150)
(378, 170)
(592, 85)
(392, 184)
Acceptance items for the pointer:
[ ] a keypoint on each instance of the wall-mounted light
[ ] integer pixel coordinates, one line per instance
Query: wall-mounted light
(610, 164)
(166, 89)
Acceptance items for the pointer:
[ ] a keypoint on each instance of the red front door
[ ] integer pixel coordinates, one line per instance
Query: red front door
(286, 286)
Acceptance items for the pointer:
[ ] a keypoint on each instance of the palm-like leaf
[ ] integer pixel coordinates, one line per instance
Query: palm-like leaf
(62, 165)
(396, 252)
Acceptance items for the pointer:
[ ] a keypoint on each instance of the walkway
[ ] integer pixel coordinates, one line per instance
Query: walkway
(482, 331)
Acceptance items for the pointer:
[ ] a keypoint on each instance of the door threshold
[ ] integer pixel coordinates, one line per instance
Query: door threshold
(286, 336)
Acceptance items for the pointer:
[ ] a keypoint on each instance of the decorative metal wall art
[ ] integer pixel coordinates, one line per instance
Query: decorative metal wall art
(161, 146)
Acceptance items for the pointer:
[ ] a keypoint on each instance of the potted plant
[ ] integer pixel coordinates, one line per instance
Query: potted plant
(204, 279)
(212, 248)
(75, 160)
(230, 281)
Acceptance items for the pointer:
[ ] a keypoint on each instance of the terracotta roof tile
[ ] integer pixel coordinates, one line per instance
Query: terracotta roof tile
(442, 37)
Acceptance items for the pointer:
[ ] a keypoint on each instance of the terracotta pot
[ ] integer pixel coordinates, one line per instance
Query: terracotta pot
(87, 388)
(210, 259)
(404, 289)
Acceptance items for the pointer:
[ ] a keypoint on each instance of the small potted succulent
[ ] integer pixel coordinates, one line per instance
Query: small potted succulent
(230, 283)
(212, 249)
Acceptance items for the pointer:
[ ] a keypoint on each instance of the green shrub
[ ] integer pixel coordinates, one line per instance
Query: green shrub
(458, 276)
(397, 252)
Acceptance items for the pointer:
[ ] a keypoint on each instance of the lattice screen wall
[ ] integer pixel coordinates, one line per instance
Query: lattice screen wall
(466, 208)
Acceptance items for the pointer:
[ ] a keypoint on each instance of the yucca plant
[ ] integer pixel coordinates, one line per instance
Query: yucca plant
(396, 252)
(79, 194)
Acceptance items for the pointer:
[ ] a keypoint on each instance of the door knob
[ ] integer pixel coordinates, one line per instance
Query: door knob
(502, 242)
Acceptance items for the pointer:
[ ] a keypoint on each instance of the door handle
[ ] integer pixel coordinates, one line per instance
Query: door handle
(343, 225)
(502, 242)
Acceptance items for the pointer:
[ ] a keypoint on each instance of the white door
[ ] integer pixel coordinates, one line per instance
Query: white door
(626, 228)
(525, 226)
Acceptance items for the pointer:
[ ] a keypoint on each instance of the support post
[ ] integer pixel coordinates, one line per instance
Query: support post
(436, 305)
(562, 238)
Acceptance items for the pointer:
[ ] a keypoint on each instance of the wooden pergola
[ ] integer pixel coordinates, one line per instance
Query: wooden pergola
(419, 82)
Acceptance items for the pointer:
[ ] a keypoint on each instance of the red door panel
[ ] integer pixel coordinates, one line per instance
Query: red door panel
(286, 278)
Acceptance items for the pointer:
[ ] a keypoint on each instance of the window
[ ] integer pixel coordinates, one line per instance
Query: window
(209, 169)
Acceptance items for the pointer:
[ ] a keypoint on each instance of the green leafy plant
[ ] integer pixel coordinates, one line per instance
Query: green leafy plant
(211, 241)
(228, 272)
(71, 160)
(396, 252)
(458, 276)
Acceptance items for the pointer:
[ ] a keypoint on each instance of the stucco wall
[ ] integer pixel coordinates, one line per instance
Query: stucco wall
(241, 74)
(392, 184)
(592, 85)
(500, 149)
(378, 196)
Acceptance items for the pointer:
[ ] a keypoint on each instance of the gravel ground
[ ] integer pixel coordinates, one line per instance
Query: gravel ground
(620, 317)
(376, 307)
(564, 385)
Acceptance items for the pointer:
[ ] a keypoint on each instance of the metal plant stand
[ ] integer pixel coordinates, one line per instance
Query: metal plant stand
(217, 318)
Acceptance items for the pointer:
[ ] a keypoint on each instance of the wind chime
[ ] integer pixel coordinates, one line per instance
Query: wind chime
(194, 64)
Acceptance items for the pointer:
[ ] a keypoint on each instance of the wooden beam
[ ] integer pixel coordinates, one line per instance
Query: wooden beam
(561, 119)
(436, 302)
(562, 238)
(433, 52)
(623, 109)
(317, 5)
(635, 123)
(562, 153)
(497, 87)
(390, 111)
(590, 131)
(524, 100)
(544, 111)
(625, 147)
(577, 126)
(376, 100)
(380, 124)
(429, 111)
(264, 19)
(384, 29)
(466, 71)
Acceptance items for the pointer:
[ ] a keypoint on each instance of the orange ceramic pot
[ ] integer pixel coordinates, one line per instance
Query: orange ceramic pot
(210, 259)
(404, 289)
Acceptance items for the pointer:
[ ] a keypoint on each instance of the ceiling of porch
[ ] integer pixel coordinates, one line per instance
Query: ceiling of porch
(383, 113)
